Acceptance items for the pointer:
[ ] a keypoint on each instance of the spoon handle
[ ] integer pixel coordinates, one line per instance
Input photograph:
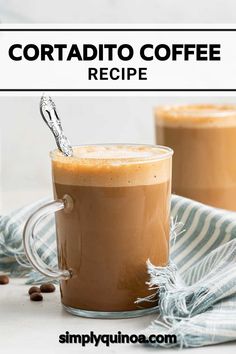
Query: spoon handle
(49, 114)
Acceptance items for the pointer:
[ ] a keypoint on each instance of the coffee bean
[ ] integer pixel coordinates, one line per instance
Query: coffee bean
(34, 289)
(4, 279)
(36, 297)
(47, 288)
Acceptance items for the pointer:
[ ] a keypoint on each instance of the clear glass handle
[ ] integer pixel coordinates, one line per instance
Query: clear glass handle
(29, 238)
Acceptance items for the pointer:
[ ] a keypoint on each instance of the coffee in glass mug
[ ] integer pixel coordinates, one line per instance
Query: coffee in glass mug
(112, 205)
(204, 140)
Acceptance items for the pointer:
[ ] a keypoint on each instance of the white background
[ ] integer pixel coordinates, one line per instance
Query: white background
(26, 140)
(118, 11)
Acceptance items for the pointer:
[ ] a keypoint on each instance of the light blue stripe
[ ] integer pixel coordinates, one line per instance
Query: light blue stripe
(189, 240)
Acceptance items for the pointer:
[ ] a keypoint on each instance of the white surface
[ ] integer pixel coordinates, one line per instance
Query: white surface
(33, 327)
(118, 11)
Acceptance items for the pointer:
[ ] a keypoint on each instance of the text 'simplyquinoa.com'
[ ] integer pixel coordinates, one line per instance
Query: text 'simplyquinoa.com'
(117, 338)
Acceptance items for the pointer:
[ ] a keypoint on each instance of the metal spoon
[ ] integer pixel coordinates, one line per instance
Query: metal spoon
(49, 114)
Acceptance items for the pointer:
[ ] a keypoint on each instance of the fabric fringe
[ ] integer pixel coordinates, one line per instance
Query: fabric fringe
(176, 300)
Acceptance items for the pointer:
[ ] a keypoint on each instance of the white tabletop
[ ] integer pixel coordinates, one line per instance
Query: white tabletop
(34, 327)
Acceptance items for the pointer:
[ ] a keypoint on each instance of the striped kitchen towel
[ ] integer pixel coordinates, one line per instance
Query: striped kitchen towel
(197, 290)
(12, 255)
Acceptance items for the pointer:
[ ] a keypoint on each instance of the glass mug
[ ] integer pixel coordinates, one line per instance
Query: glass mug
(112, 205)
(204, 140)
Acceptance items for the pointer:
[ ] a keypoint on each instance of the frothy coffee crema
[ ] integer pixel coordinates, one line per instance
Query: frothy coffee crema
(112, 165)
(197, 116)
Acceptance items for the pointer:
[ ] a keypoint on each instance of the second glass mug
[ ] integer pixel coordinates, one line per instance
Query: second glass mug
(203, 137)
(112, 205)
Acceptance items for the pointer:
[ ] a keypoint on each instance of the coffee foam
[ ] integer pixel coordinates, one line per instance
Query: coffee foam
(112, 165)
(196, 116)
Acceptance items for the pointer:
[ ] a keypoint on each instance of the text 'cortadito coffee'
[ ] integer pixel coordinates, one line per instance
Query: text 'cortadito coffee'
(109, 52)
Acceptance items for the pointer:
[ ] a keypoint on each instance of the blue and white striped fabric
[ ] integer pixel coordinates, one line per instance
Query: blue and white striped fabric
(197, 291)
(12, 256)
